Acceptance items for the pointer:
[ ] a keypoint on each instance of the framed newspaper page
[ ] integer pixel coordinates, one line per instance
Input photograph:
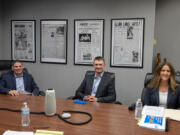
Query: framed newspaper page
(53, 41)
(127, 42)
(23, 40)
(88, 40)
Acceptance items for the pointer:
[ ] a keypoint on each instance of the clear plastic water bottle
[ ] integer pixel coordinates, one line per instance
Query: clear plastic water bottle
(25, 119)
(138, 109)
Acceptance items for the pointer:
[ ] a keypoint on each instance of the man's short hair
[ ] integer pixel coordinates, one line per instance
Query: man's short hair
(16, 61)
(99, 58)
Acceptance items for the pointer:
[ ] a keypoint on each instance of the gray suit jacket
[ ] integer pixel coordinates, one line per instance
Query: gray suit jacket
(105, 91)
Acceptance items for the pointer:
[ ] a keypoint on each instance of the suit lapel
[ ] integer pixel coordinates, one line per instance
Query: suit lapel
(91, 81)
(13, 81)
(168, 97)
(100, 85)
(25, 80)
(157, 96)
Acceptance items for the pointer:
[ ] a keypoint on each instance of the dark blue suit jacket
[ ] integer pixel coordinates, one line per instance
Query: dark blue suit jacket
(105, 91)
(152, 98)
(8, 82)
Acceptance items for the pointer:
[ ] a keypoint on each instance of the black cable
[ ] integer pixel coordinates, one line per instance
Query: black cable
(37, 113)
(11, 110)
(69, 111)
(73, 123)
(14, 110)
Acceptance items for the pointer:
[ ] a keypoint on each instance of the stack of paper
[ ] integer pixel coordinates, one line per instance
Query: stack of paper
(152, 117)
(172, 114)
(9, 132)
(153, 122)
(48, 132)
(153, 110)
(38, 132)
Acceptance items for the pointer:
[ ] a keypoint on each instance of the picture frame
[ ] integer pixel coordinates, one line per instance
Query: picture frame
(127, 42)
(53, 35)
(23, 40)
(88, 40)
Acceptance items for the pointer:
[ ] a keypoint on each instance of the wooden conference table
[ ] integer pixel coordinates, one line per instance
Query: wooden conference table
(108, 119)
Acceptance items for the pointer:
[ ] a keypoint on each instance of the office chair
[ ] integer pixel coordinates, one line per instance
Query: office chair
(5, 67)
(147, 80)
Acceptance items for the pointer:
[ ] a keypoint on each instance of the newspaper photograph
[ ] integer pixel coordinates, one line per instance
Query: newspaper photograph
(127, 42)
(88, 40)
(53, 41)
(23, 40)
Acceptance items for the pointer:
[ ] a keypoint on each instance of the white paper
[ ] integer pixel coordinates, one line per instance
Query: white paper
(153, 111)
(9, 132)
(172, 114)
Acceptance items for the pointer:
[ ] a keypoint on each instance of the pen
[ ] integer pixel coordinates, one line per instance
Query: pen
(41, 127)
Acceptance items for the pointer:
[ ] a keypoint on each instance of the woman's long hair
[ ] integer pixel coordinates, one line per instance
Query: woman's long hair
(155, 82)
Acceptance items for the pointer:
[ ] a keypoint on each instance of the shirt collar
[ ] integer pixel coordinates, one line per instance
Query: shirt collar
(18, 76)
(99, 76)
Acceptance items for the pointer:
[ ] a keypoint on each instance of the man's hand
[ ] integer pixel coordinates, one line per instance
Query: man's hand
(93, 99)
(86, 98)
(13, 93)
(90, 98)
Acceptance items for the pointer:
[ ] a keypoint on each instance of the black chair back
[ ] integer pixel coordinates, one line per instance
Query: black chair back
(5, 66)
(147, 79)
(177, 79)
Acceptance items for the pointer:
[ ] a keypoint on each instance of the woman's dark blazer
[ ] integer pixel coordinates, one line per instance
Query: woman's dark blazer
(152, 98)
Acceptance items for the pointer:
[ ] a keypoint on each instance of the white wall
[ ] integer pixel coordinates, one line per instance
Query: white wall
(167, 30)
(65, 79)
